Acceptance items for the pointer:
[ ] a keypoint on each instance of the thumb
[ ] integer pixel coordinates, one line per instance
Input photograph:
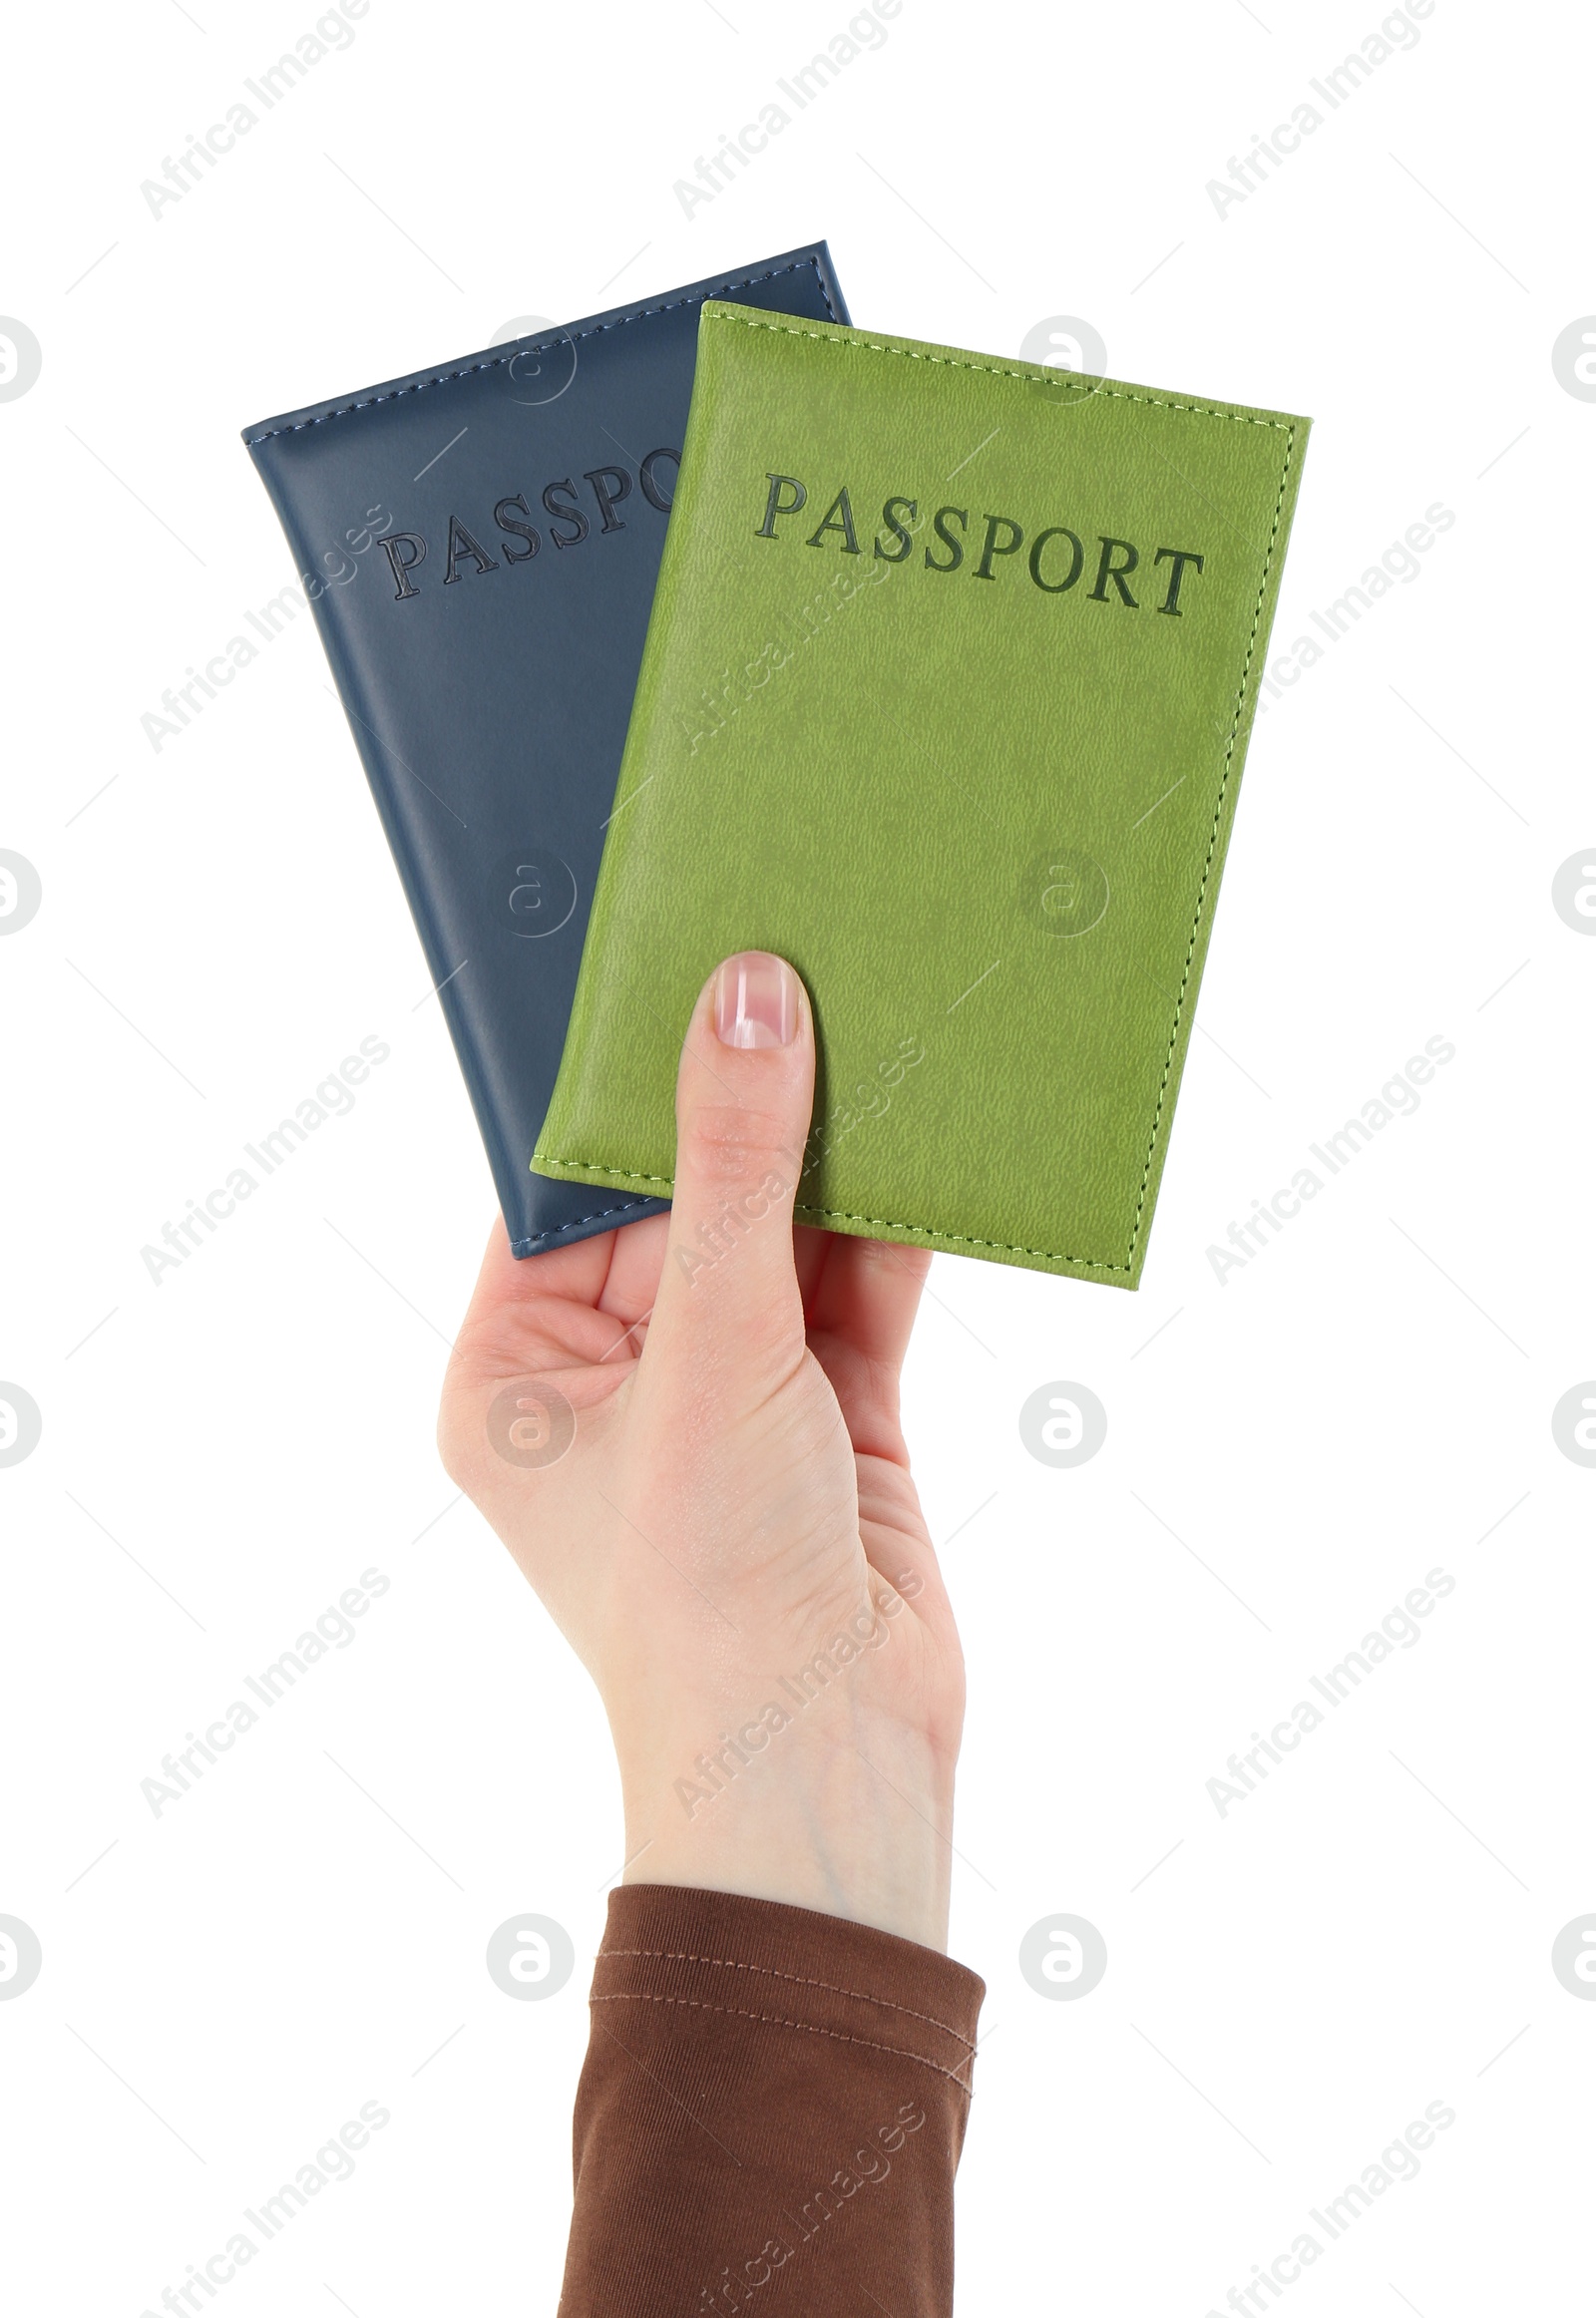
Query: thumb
(743, 1099)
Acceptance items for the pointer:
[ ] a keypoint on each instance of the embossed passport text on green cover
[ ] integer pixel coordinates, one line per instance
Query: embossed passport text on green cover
(946, 694)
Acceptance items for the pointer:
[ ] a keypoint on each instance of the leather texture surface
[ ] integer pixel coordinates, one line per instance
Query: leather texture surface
(972, 771)
(488, 681)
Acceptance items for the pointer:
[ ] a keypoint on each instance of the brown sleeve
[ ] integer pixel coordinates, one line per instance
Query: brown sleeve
(769, 2116)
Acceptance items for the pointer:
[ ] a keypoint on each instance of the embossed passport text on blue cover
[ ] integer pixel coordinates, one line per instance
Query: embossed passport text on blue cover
(479, 543)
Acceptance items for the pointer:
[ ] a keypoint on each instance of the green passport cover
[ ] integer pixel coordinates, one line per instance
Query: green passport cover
(945, 695)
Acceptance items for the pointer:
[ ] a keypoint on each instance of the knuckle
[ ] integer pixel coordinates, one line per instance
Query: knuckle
(735, 1143)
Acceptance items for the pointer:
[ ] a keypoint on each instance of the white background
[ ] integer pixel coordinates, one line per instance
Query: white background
(1368, 1399)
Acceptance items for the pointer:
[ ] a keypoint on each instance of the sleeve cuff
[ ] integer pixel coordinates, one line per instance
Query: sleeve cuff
(789, 1968)
(770, 2115)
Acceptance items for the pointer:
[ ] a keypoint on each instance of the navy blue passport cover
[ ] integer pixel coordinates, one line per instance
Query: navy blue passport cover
(480, 543)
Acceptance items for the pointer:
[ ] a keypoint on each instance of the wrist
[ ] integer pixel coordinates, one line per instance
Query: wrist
(852, 1822)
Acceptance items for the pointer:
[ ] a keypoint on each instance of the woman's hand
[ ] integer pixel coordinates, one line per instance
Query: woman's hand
(687, 1433)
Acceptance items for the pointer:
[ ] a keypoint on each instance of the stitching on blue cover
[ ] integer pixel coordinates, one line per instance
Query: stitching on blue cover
(557, 1230)
(564, 337)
